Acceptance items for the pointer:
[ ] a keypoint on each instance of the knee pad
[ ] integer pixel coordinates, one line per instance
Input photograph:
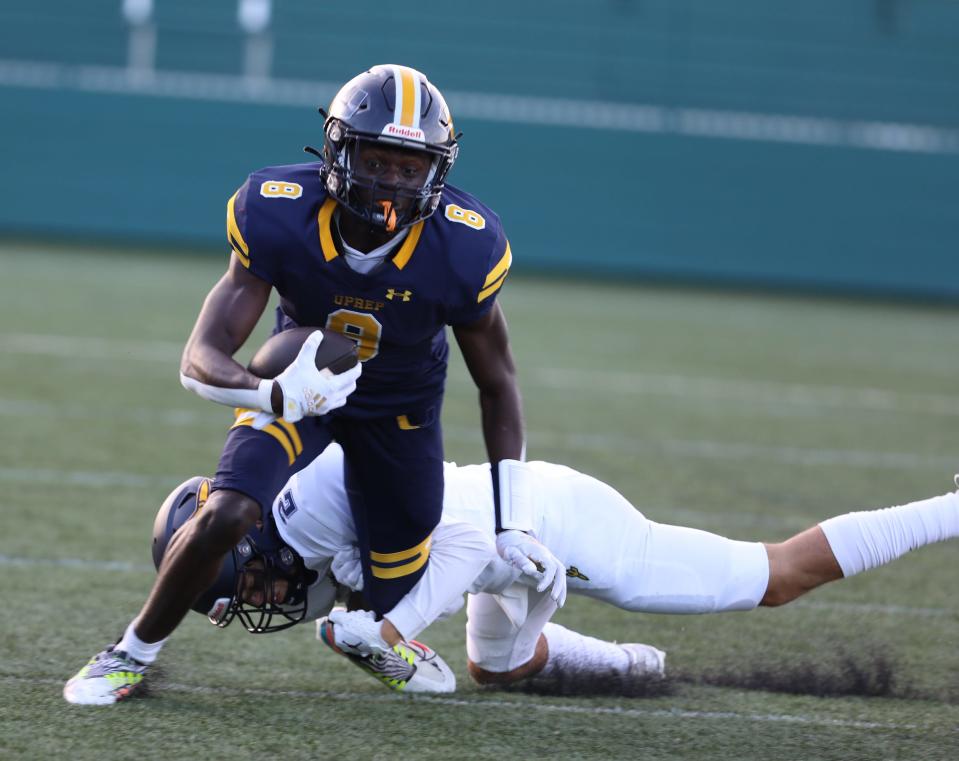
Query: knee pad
(502, 630)
(490, 633)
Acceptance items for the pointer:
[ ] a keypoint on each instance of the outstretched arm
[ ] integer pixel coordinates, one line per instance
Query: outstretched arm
(485, 347)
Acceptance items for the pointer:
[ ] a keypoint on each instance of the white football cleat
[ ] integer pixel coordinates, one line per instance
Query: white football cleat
(405, 667)
(644, 660)
(110, 676)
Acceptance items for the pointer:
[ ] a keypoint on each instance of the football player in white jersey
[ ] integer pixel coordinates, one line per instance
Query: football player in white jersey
(283, 573)
(610, 551)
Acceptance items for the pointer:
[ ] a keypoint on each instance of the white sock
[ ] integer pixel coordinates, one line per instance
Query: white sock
(136, 648)
(572, 651)
(865, 540)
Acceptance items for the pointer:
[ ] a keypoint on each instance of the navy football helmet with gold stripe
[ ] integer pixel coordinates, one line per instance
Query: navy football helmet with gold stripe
(261, 557)
(393, 107)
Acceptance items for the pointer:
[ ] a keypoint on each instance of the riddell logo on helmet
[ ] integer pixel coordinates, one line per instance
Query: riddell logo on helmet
(409, 133)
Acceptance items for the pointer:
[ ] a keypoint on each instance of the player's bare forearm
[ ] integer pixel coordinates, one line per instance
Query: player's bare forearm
(485, 347)
(503, 429)
(230, 312)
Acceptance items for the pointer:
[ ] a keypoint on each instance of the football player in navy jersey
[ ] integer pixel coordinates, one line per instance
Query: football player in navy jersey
(372, 243)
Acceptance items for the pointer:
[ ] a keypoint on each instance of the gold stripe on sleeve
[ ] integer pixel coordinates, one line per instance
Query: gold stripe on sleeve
(487, 292)
(233, 231)
(501, 266)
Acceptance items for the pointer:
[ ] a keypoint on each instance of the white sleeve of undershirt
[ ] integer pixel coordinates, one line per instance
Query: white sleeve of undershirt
(248, 398)
(458, 554)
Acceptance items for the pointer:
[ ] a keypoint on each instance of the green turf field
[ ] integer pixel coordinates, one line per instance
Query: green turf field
(754, 416)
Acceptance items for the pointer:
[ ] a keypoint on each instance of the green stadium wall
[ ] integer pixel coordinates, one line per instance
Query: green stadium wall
(810, 145)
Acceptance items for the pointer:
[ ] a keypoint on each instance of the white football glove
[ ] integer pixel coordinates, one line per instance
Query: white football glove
(308, 391)
(347, 568)
(357, 632)
(530, 556)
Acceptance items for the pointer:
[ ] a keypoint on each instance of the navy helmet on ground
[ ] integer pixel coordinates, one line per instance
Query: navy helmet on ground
(222, 601)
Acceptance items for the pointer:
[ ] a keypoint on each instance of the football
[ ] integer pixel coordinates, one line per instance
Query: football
(336, 353)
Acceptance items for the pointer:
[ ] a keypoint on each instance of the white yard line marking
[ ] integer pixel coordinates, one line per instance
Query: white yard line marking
(212, 415)
(96, 479)
(724, 450)
(748, 391)
(500, 107)
(78, 564)
(528, 704)
(73, 347)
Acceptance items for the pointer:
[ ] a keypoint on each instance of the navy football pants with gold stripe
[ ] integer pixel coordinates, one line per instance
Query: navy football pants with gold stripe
(394, 480)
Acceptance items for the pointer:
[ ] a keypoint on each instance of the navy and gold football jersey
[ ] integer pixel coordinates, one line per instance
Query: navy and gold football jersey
(447, 271)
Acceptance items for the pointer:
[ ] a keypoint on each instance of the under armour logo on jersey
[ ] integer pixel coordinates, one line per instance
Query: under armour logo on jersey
(392, 293)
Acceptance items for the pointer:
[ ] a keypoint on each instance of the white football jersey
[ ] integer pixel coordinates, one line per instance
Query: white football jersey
(312, 514)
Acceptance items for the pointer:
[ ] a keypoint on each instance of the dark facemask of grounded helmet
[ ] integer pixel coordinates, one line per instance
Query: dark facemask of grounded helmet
(222, 602)
(392, 107)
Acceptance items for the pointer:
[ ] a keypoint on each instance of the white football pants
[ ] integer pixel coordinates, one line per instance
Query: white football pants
(614, 554)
